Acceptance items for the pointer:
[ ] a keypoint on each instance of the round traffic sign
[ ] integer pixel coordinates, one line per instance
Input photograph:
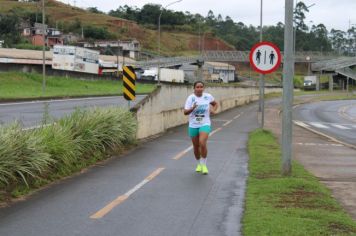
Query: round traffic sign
(265, 57)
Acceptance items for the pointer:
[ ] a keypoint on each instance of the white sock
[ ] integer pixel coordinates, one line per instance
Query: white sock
(199, 161)
(203, 161)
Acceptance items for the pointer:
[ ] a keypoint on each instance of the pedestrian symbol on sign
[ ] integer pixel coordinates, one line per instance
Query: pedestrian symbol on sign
(271, 58)
(258, 56)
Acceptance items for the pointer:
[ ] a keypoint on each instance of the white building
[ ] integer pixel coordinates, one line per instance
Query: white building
(210, 71)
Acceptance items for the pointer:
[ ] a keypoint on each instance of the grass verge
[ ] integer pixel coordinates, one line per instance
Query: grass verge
(295, 205)
(16, 85)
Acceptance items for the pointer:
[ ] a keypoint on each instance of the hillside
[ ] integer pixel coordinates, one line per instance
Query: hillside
(172, 43)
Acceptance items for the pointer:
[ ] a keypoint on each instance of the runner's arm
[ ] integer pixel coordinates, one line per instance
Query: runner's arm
(214, 105)
(190, 110)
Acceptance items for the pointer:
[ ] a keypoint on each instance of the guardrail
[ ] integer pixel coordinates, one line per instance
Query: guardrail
(231, 56)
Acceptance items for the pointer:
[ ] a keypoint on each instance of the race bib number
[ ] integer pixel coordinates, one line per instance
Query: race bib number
(199, 118)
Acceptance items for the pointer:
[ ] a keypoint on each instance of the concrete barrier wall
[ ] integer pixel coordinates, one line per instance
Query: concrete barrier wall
(163, 109)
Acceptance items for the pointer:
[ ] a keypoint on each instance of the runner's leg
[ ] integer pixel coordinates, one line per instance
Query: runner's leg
(203, 138)
(195, 141)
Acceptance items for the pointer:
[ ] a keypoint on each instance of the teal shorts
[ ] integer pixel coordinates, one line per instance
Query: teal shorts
(193, 132)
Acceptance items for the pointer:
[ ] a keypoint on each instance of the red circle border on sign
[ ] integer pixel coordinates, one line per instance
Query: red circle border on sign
(275, 48)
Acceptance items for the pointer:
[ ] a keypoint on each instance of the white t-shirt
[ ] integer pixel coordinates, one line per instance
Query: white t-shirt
(201, 114)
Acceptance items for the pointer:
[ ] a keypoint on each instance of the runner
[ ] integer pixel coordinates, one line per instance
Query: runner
(198, 108)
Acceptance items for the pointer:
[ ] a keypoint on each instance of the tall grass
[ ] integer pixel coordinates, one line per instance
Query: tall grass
(67, 145)
(22, 156)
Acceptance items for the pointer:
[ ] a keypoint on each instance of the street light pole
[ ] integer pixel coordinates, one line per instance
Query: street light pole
(159, 40)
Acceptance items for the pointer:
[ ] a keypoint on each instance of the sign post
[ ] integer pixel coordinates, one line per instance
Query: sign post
(265, 57)
(129, 80)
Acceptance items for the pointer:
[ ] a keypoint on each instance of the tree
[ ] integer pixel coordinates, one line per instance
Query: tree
(95, 10)
(338, 40)
(320, 40)
(351, 40)
(9, 29)
(126, 12)
(149, 14)
(210, 19)
(299, 16)
(94, 32)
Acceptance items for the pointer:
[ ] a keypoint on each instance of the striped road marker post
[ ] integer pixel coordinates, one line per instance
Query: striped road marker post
(129, 84)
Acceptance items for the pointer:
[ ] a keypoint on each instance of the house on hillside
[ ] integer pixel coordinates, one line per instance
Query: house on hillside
(34, 34)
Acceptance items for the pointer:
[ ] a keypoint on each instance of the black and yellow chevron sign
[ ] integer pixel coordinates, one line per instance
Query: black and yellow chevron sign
(129, 83)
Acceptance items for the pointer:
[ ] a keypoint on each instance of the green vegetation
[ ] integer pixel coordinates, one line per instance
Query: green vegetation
(32, 158)
(29, 47)
(15, 85)
(295, 205)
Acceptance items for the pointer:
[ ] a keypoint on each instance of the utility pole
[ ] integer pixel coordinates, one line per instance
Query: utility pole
(43, 49)
(117, 58)
(288, 74)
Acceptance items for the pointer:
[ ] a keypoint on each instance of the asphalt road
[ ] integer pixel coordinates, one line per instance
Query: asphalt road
(31, 113)
(334, 118)
(152, 190)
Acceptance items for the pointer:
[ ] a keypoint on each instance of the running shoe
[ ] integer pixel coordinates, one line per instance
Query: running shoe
(199, 168)
(204, 170)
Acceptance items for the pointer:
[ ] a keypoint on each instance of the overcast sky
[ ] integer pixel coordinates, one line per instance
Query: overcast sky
(333, 13)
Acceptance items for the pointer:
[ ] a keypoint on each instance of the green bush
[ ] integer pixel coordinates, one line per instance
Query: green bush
(298, 81)
(63, 147)
(30, 47)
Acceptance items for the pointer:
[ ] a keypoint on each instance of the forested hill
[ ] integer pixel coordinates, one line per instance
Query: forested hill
(240, 35)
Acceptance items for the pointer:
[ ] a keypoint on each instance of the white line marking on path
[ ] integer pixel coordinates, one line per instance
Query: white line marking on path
(227, 122)
(340, 126)
(318, 125)
(320, 144)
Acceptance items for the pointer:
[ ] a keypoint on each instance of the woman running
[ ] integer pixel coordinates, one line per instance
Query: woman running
(199, 106)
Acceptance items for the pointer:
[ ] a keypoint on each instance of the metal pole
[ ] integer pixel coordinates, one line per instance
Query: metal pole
(43, 50)
(347, 85)
(294, 29)
(117, 59)
(288, 73)
(159, 48)
(261, 76)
